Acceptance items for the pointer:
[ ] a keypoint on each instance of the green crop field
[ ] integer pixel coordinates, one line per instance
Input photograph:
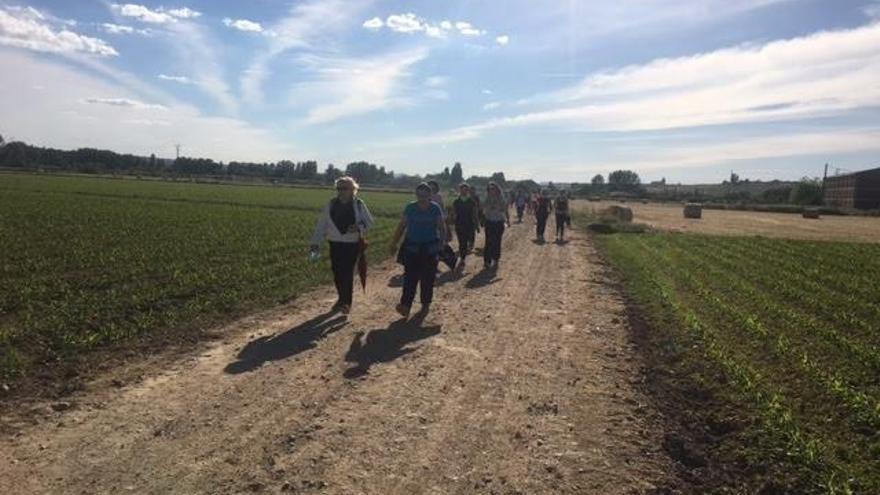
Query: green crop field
(788, 332)
(89, 263)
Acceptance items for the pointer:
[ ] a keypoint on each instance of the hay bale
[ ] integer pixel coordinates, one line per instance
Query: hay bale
(615, 213)
(811, 213)
(693, 210)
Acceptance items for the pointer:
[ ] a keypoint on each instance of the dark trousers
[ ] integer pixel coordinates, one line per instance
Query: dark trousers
(419, 269)
(494, 232)
(542, 225)
(561, 220)
(343, 257)
(519, 212)
(466, 235)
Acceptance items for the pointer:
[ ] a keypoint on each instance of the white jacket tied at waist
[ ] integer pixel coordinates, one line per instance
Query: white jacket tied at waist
(326, 229)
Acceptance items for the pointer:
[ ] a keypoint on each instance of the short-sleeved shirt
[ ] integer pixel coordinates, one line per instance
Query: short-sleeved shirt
(562, 206)
(421, 225)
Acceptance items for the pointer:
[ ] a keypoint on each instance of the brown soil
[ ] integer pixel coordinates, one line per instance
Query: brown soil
(670, 217)
(521, 381)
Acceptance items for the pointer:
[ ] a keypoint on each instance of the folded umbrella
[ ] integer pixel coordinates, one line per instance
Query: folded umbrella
(362, 261)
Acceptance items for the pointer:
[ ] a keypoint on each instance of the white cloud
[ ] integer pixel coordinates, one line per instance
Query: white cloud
(307, 23)
(434, 32)
(487, 91)
(409, 23)
(142, 13)
(178, 79)
(117, 29)
(198, 55)
(184, 13)
(347, 87)
(720, 151)
(374, 23)
(121, 29)
(124, 102)
(58, 115)
(826, 73)
(30, 29)
(243, 25)
(150, 16)
(503, 39)
(405, 23)
(492, 105)
(467, 29)
(436, 81)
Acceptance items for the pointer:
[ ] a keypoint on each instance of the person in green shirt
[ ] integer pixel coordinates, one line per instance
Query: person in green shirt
(465, 218)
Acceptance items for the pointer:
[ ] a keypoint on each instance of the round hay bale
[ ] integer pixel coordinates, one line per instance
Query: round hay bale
(693, 210)
(617, 213)
(811, 213)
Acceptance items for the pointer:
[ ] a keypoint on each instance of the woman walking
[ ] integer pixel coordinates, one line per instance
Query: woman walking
(496, 211)
(542, 212)
(562, 215)
(424, 226)
(465, 217)
(344, 222)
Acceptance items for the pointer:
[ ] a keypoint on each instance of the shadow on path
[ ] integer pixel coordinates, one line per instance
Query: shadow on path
(288, 344)
(386, 345)
(483, 278)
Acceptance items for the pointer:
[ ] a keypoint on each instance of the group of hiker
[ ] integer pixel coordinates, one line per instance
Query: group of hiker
(426, 230)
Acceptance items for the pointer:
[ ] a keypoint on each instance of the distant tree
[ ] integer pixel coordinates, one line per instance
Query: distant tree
(456, 176)
(806, 192)
(775, 195)
(624, 180)
(734, 178)
(2, 141)
(498, 178)
(332, 173)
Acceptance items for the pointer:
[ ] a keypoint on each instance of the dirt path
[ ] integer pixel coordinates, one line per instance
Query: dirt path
(517, 382)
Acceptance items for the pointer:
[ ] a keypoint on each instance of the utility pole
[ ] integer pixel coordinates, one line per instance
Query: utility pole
(824, 178)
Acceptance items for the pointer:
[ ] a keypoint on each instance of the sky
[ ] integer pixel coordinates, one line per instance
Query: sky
(548, 90)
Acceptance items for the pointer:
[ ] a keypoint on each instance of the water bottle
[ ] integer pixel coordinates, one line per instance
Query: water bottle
(314, 256)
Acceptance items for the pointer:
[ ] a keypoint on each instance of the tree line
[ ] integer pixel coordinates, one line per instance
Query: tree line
(20, 155)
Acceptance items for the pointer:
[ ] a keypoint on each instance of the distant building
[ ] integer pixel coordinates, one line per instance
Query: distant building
(859, 190)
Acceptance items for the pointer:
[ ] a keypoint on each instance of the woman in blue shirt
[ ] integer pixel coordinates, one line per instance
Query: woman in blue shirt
(422, 221)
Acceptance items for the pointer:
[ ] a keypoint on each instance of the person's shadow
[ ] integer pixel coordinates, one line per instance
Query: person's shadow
(484, 277)
(396, 281)
(386, 344)
(288, 344)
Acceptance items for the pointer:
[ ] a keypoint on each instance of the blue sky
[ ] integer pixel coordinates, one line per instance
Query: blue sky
(687, 90)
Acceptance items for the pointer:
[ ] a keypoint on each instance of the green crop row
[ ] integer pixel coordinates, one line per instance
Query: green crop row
(796, 338)
(91, 263)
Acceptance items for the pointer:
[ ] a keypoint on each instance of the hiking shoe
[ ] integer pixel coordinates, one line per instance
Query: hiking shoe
(345, 308)
(402, 310)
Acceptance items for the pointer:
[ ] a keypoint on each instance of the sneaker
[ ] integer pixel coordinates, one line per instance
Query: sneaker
(345, 308)
(402, 310)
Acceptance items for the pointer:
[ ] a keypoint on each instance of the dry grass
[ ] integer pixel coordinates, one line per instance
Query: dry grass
(670, 217)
